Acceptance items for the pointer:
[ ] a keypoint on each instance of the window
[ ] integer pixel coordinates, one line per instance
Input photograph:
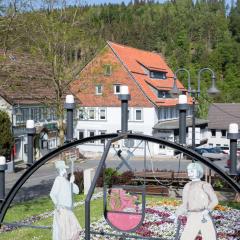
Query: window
(165, 113)
(107, 70)
(218, 145)
(25, 148)
(164, 94)
(35, 114)
(52, 143)
(99, 89)
(81, 134)
(117, 88)
(210, 145)
(81, 114)
(91, 114)
(158, 75)
(102, 132)
(224, 133)
(23, 116)
(213, 132)
(102, 114)
(138, 115)
(91, 133)
(44, 144)
(54, 113)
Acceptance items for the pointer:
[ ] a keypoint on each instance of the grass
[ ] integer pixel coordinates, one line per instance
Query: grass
(24, 210)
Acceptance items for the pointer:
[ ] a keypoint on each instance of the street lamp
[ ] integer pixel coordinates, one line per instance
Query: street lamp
(211, 91)
(182, 107)
(124, 97)
(175, 91)
(233, 135)
(69, 105)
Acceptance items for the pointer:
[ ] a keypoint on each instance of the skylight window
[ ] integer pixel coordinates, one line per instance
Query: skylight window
(164, 94)
(158, 75)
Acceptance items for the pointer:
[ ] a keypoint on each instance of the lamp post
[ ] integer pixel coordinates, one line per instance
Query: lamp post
(31, 131)
(124, 97)
(212, 91)
(233, 135)
(3, 168)
(69, 105)
(175, 91)
(182, 106)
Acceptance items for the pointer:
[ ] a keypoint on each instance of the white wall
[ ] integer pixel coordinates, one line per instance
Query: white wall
(113, 123)
(219, 139)
(4, 105)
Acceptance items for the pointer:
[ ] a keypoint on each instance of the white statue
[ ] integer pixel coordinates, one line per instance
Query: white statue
(65, 224)
(198, 200)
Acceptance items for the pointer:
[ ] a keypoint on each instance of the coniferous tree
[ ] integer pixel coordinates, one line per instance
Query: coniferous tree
(6, 139)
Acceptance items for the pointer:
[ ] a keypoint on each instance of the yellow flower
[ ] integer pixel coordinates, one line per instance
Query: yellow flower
(220, 208)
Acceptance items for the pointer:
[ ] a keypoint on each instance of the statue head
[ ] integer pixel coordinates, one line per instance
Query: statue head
(195, 171)
(61, 168)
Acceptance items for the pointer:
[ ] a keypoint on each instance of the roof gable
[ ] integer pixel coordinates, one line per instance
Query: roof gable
(84, 88)
(135, 60)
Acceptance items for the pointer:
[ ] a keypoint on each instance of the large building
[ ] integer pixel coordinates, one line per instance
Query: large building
(27, 92)
(152, 109)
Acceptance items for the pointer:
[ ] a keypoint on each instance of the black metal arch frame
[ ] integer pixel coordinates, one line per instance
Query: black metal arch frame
(173, 145)
(114, 137)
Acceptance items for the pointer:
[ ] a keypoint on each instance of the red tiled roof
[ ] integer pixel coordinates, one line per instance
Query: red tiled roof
(134, 60)
(128, 68)
(93, 74)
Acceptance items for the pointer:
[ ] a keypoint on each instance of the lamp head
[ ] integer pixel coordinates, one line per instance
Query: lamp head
(175, 91)
(213, 89)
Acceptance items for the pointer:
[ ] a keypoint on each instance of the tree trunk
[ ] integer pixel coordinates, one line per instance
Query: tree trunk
(61, 131)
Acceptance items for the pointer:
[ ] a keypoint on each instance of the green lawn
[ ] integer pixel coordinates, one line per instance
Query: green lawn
(31, 208)
(24, 210)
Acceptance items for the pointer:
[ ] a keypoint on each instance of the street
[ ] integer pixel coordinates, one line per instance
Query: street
(40, 183)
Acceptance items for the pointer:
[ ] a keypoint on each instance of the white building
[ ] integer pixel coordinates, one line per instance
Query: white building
(26, 93)
(220, 115)
(152, 109)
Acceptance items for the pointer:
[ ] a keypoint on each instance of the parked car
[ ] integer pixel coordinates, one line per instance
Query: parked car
(213, 154)
(226, 150)
(201, 150)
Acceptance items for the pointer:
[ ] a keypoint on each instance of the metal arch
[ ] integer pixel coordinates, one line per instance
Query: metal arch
(173, 145)
(8, 200)
(32, 169)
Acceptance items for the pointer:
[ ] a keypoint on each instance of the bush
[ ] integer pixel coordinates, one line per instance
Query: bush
(6, 140)
(79, 181)
(113, 177)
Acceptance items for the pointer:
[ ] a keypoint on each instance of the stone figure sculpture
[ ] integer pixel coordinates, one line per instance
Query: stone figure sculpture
(65, 224)
(198, 200)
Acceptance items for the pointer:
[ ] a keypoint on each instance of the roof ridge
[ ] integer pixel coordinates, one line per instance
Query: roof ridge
(122, 45)
(130, 73)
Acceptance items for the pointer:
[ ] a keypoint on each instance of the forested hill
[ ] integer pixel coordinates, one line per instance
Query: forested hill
(190, 35)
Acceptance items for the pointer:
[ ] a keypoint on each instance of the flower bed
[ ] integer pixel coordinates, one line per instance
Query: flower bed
(158, 224)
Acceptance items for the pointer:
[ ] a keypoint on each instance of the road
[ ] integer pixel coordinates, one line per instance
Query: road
(41, 181)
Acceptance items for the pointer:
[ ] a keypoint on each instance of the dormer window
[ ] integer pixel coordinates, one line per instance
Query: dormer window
(158, 75)
(164, 94)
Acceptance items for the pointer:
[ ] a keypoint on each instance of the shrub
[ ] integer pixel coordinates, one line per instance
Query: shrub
(79, 181)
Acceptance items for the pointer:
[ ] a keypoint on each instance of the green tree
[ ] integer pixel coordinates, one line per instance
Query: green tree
(53, 35)
(6, 140)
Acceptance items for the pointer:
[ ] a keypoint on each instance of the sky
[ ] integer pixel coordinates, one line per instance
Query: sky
(126, 1)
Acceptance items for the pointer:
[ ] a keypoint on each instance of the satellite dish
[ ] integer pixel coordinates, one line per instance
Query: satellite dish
(129, 143)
